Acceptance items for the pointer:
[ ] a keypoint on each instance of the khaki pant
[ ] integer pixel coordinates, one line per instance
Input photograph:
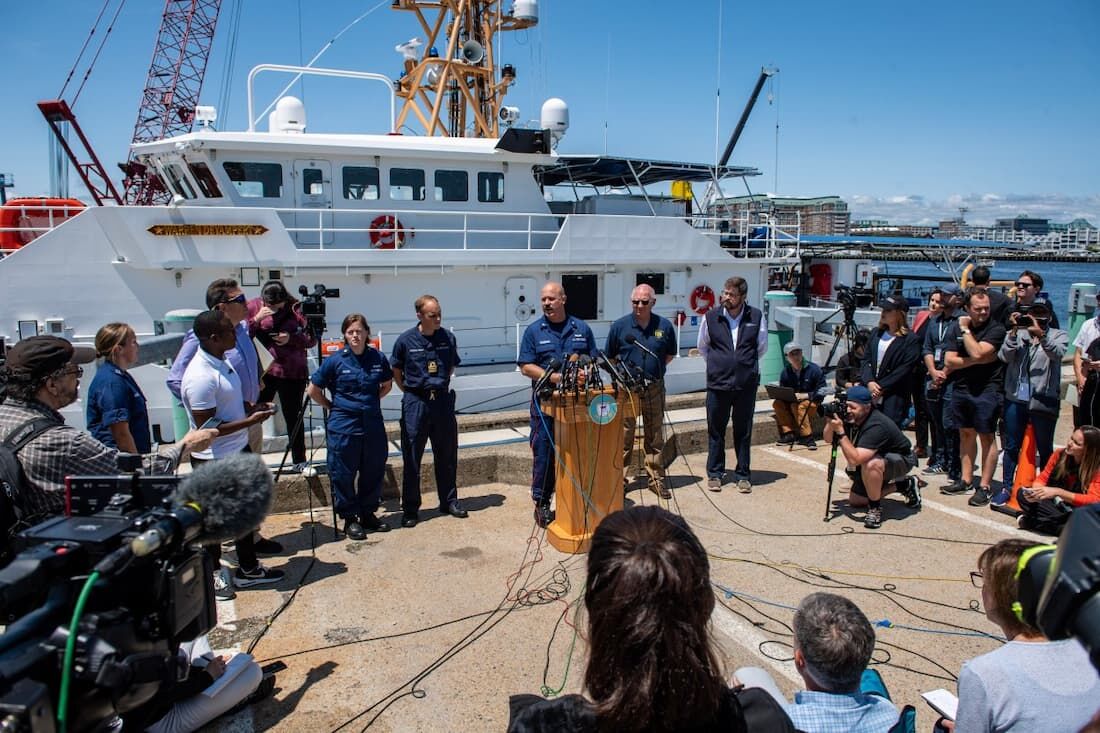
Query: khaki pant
(795, 417)
(650, 405)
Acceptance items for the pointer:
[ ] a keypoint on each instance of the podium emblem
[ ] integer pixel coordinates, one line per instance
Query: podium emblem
(602, 410)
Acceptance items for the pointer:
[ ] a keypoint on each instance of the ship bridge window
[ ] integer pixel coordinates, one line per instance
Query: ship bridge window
(452, 186)
(360, 183)
(256, 180)
(178, 182)
(313, 182)
(655, 280)
(406, 184)
(205, 177)
(490, 188)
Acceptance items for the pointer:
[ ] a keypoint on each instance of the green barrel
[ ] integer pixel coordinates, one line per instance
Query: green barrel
(1082, 302)
(778, 336)
(179, 321)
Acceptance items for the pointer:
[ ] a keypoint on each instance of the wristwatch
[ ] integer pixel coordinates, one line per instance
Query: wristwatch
(965, 331)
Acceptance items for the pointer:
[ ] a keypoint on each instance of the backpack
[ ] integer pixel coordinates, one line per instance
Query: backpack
(13, 482)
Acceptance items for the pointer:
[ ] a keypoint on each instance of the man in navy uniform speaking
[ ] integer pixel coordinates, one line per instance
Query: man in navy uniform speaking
(554, 337)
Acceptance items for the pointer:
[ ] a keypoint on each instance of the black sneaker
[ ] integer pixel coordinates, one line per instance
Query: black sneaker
(934, 470)
(258, 575)
(808, 442)
(785, 439)
(957, 487)
(910, 489)
(543, 515)
(981, 497)
(223, 585)
(873, 520)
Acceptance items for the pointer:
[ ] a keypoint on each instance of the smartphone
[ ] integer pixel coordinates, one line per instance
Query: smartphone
(943, 702)
(277, 666)
(211, 423)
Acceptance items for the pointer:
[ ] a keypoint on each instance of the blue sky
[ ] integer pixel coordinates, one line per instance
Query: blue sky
(907, 110)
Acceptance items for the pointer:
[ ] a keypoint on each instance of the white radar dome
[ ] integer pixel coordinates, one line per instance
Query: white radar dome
(526, 10)
(289, 115)
(555, 117)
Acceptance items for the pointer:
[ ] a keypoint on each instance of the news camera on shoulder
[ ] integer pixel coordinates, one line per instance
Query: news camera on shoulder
(126, 567)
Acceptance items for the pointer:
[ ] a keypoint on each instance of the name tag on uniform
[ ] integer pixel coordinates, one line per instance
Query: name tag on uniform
(433, 367)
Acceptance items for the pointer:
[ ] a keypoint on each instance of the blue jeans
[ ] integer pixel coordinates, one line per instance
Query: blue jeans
(1017, 417)
(720, 405)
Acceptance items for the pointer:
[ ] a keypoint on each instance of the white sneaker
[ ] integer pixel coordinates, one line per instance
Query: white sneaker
(309, 471)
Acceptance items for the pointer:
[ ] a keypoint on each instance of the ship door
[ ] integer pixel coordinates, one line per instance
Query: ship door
(521, 304)
(313, 202)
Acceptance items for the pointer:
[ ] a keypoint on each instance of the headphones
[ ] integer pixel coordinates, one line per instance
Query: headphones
(1032, 570)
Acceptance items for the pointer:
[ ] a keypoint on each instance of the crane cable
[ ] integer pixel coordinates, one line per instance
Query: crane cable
(91, 65)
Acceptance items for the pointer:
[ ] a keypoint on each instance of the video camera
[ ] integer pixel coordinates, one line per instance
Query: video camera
(852, 297)
(1059, 588)
(314, 307)
(123, 569)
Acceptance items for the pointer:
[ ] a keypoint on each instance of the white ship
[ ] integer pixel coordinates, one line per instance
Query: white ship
(479, 221)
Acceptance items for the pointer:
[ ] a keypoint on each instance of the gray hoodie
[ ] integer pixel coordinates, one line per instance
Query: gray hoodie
(1040, 363)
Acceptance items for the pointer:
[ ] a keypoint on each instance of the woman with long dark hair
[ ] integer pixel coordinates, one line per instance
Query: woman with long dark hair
(276, 321)
(1070, 479)
(652, 665)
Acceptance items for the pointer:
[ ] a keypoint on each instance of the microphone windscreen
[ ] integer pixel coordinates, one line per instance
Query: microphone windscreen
(233, 493)
(630, 338)
(553, 365)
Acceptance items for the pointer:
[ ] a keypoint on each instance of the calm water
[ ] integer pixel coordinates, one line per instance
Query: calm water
(1057, 276)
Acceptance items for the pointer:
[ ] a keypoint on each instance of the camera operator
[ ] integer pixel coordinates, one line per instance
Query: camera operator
(1032, 353)
(43, 376)
(879, 455)
(1029, 285)
(276, 320)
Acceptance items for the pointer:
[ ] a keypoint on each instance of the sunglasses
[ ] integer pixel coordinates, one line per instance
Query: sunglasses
(639, 302)
(1025, 285)
(66, 371)
(240, 299)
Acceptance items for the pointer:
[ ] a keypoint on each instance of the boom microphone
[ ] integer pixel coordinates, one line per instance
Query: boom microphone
(220, 501)
(633, 341)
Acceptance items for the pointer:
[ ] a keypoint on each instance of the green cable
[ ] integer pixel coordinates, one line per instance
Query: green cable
(70, 652)
(548, 691)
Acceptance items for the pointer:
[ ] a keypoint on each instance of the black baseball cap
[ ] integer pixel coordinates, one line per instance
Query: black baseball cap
(39, 356)
(894, 303)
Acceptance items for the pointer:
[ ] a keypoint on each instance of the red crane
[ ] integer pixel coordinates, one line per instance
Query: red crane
(167, 103)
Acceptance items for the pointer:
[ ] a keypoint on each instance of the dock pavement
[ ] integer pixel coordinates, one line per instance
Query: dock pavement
(432, 628)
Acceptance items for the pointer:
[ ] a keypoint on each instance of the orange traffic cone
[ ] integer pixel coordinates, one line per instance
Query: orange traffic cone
(1025, 469)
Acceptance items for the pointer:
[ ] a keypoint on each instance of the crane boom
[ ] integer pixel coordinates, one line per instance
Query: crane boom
(765, 73)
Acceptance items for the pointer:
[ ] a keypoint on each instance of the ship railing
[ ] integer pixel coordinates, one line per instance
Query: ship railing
(27, 222)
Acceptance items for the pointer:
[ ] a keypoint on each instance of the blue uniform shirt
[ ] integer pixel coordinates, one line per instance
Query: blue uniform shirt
(115, 397)
(541, 344)
(658, 337)
(426, 361)
(354, 381)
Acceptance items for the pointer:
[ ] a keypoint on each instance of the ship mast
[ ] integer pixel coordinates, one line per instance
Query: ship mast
(451, 85)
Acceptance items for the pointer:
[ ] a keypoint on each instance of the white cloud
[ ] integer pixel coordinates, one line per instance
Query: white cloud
(982, 208)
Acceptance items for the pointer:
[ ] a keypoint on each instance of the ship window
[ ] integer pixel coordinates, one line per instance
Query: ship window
(313, 182)
(452, 186)
(178, 182)
(360, 183)
(406, 184)
(655, 280)
(256, 180)
(205, 177)
(490, 188)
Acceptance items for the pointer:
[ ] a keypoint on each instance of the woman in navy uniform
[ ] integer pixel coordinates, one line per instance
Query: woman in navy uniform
(357, 377)
(424, 359)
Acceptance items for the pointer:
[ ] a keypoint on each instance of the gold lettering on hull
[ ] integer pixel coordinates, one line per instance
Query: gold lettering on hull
(207, 230)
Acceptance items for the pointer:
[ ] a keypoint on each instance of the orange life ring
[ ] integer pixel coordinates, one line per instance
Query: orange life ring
(702, 299)
(386, 232)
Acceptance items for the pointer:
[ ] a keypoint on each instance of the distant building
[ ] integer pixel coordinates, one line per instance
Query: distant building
(954, 229)
(817, 215)
(1024, 224)
(879, 228)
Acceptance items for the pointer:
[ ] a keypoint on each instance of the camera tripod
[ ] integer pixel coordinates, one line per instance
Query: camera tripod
(846, 333)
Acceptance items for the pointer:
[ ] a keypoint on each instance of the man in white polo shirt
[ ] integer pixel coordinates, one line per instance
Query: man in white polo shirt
(211, 393)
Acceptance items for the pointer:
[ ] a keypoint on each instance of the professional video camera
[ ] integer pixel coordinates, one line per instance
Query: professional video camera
(314, 307)
(130, 577)
(1059, 588)
(852, 297)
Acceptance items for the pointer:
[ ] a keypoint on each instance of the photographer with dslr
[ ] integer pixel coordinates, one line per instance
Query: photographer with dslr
(1029, 285)
(43, 376)
(1032, 353)
(276, 321)
(879, 455)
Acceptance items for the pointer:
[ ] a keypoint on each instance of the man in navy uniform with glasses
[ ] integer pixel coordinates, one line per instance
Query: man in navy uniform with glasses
(646, 355)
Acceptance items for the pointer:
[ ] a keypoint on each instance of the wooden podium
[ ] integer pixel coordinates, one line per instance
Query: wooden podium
(588, 469)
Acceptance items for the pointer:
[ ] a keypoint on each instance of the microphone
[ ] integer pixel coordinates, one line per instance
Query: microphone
(609, 367)
(553, 366)
(221, 500)
(633, 341)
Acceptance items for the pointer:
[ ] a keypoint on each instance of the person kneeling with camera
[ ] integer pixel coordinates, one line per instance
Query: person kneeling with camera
(879, 455)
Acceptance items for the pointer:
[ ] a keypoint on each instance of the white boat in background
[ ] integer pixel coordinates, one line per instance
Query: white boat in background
(480, 222)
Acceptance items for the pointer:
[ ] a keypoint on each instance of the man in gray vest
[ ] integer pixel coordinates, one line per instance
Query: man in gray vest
(732, 340)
